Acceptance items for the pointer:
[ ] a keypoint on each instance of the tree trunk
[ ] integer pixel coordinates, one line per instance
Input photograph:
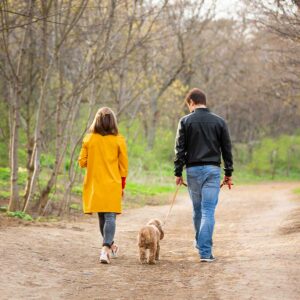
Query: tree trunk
(29, 111)
(60, 144)
(14, 203)
(153, 122)
(40, 110)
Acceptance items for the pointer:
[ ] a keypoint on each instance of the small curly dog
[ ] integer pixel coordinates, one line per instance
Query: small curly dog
(148, 238)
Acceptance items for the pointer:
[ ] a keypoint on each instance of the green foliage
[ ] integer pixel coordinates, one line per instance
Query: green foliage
(47, 160)
(3, 154)
(75, 206)
(144, 162)
(276, 157)
(20, 215)
(3, 208)
(269, 159)
(4, 136)
(22, 155)
(77, 190)
(5, 176)
(297, 191)
(4, 194)
(47, 219)
(67, 164)
(150, 178)
(147, 189)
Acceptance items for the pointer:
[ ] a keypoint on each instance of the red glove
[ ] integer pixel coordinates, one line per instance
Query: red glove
(123, 182)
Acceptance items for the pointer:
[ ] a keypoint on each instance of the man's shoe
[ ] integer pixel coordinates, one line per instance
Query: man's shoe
(104, 257)
(207, 259)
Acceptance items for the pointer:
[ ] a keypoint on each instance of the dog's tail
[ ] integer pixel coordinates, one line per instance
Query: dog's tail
(144, 237)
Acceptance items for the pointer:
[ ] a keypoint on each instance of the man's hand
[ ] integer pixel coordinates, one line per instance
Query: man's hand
(227, 181)
(179, 180)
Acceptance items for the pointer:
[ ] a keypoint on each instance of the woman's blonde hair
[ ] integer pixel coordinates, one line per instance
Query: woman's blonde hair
(105, 122)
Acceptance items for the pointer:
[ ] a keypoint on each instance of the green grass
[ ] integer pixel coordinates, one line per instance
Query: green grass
(5, 176)
(4, 194)
(5, 181)
(3, 208)
(75, 206)
(297, 191)
(147, 189)
(77, 190)
(242, 175)
(20, 215)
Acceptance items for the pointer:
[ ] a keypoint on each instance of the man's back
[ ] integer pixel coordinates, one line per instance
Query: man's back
(201, 139)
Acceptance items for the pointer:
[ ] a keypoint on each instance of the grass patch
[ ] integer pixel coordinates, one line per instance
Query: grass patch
(77, 190)
(242, 175)
(5, 177)
(135, 189)
(20, 215)
(4, 194)
(47, 219)
(297, 191)
(75, 206)
(3, 208)
(140, 201)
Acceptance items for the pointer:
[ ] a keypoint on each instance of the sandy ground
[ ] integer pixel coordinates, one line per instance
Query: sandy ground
(256, 259)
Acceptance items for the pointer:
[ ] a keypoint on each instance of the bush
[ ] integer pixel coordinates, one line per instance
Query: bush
(280, 156)
(20, 215)
(5, 177)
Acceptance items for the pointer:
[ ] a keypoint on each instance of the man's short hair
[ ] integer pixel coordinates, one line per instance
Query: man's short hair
(196, 95)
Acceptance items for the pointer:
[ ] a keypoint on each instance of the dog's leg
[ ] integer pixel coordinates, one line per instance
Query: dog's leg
(152, 254)
(142, 255)
(157, 252)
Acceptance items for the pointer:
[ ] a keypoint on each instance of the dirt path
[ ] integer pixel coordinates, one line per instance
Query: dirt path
(254, 259)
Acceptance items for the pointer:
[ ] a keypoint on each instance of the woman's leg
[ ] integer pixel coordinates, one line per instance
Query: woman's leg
(109, 229)
(101, 222)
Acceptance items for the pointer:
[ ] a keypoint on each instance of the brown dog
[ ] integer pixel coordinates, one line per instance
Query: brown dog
(148, 238)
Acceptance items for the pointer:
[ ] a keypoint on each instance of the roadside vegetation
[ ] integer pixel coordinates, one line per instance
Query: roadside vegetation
(151, 181)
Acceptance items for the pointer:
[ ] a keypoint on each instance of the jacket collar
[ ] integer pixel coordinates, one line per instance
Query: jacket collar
(201, 109)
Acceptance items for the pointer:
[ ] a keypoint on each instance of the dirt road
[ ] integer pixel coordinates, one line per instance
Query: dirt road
(256, 258)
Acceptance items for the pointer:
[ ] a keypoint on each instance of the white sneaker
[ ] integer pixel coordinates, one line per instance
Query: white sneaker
(104, 257)
(114, 251)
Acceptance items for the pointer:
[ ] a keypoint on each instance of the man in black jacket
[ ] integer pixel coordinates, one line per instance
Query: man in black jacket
(201, 139)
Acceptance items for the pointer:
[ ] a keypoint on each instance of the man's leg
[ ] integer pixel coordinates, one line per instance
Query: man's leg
(210, 193)
(194, 187)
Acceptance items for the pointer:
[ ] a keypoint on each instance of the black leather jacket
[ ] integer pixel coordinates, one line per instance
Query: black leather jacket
(201, 138)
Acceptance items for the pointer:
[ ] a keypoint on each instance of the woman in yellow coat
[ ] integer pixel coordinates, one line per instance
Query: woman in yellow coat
(104, 155)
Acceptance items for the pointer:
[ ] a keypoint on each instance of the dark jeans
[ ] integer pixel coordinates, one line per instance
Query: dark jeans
(107, 224)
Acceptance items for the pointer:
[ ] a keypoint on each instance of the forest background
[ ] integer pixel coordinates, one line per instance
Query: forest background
(61, 60)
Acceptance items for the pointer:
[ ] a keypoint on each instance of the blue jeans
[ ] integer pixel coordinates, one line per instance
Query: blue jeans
(204, 186)
(107, 224)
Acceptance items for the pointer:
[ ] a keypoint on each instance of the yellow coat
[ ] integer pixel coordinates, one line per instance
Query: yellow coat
(105, 158)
